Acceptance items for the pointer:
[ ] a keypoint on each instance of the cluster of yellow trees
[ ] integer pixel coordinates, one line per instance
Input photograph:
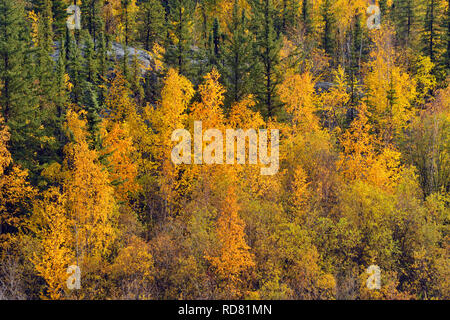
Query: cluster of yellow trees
(358, 185)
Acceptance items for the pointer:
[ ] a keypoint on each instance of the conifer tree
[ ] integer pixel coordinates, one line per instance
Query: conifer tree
(17, 101)
(307, 16)
(237, 57)
(90, 57)
(180, 35)
(59, 13)
(432, 31)
(103, 65)
(62, 86)
(44, 50)
(329, 25)
(151, 23)
(75, 66)
(446, 36)
(407, 19)
(92, 17)
(93, 110)
(267, 48)
(356, 57)
(289, 14)
(215, 44)
(128, 19)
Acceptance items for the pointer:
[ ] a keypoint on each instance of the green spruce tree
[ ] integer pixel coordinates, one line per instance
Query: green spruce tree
(18, 104)
(329, 25)
(180, 35)
(267, 46)
(151, 23)
(237, 57)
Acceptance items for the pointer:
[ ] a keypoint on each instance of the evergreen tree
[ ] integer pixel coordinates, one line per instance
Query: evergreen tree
(237, 57)
(152, 26)
(267, 47)
(46, 86)
(62, 96)
(214, 44)
(329, 25)
(406, 18)
(92, 17)
(17, 102)
(93, 110)
(45, 64)
(75, 67)
(90, 57)
(289, 14)
(447, 37)
(356, 55)
(103, 64)
(306, 16)
(180, 35)
(128, 20)
(59, 13)
(431, 35)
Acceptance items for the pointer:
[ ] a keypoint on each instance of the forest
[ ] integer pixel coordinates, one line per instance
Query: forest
(92, 206)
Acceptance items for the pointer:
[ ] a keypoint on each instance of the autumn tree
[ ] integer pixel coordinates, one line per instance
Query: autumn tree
(234, 259)
(53, 231)
(298, 93)
(90, 201)
(390, 89)
(170, 115)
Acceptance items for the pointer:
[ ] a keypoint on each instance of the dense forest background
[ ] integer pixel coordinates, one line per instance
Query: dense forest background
(86, 179)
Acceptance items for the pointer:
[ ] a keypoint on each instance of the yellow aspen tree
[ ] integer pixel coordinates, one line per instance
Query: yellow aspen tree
(242, 115)
(209, 109)
(5, 155)
(121, 108)
(390, 89)
(90, 196)
(133, 270)
(344, 12)
(118, 145)
(300, 192)
(54, 232)
(358, 147)
(249, 176)
(169, 115)
(334, 102)
(298, 93)
(234, 258)
(360, 159)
